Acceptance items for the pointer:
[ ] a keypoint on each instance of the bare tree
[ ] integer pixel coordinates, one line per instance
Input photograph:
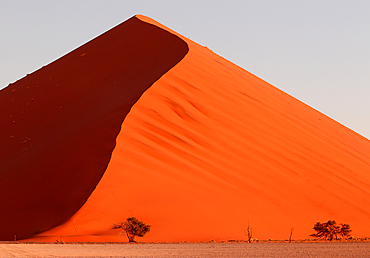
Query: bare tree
(249, 233)
(291, 233)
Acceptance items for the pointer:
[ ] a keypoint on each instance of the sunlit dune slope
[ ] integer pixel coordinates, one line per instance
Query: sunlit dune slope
(210, 147)
(58, 126)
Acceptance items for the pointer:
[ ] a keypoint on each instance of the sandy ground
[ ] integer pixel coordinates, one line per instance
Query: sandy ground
(188, 250)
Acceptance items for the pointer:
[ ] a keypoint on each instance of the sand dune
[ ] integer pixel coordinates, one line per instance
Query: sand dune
(206, 148)
(59, 125)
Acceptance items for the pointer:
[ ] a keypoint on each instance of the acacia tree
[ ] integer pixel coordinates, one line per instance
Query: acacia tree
(133, 227)
(330, 229)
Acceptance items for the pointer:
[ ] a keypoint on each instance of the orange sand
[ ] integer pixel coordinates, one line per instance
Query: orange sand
(58, 126)
(205, 149)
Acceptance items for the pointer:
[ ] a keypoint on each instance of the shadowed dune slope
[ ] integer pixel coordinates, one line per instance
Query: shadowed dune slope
(58, 125)
(210, 147)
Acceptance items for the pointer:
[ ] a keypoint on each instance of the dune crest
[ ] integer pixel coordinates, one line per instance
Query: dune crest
(209, 147)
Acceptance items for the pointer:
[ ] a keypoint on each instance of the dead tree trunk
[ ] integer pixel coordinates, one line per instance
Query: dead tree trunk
(291, 233)
(249, 233)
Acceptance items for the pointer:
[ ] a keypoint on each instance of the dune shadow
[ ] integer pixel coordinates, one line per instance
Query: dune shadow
(58, 125)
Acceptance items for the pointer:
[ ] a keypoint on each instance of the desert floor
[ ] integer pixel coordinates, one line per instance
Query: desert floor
(188, 250)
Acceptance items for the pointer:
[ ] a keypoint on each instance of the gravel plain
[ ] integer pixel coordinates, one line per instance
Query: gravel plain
(356, 249)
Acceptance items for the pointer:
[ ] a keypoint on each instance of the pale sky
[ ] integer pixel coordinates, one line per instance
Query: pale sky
(315, 50)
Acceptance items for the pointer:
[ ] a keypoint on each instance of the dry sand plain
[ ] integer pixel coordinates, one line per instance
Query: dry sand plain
(188, 250)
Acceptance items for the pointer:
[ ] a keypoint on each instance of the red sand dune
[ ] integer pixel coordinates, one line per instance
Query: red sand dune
(206, 148)
(59, 125)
